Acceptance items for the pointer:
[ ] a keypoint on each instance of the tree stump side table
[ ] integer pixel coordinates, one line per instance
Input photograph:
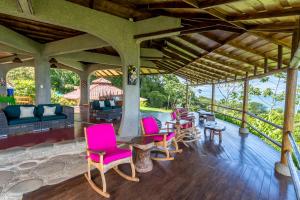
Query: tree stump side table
(142, 147)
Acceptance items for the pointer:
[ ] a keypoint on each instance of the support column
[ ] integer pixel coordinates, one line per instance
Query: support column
(244, 129)
(42, 80)
(288, 124)
(289, 107)
(84, 89)
(131, 93)
(3, 73)
(213, 97)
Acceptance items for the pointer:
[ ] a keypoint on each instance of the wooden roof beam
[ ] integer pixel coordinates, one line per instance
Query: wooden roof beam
(238, 24)
(253, 51)
(209, 3)
(276, 27)
(285, 12)
(237, 58)
(211, 69)
(183, 47)
(218, 67)
(227, 64)
(271, 39)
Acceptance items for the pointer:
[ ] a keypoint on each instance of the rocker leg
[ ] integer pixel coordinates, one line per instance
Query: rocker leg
(95, 187)
(177, 150)
(129, 178)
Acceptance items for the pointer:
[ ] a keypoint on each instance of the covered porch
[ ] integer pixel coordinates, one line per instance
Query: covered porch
(203, 42)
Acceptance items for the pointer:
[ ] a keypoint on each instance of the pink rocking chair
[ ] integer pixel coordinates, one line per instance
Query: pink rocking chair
(104, 154)
(163, 140)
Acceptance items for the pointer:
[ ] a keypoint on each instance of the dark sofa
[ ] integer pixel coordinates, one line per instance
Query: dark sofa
(108, 112)
(11, 123)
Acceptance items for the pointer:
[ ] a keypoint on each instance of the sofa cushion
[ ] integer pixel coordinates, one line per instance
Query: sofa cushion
(23, 120)
(95, 105)
(53, 117)
(13, 111)
(26, 112)
(107, 103)
(40, 109)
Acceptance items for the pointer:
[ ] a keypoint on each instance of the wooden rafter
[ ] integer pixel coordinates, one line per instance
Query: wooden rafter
(253, 51)
(209, 3)
(285, 12)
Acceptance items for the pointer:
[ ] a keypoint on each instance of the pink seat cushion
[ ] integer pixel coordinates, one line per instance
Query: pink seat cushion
(101, 137)
(112, 155)
(161, 137)
(150, 125)
(187, 125)
(173, 115)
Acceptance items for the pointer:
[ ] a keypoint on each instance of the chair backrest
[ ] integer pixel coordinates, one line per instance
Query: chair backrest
(210, 118)
(101, 137)
(173, 115)
(149, 125)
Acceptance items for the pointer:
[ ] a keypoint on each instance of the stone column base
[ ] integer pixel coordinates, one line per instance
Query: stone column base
(282, 169)
(243, 130)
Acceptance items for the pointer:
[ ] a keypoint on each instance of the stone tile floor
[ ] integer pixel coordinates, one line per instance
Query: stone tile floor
(26, 169)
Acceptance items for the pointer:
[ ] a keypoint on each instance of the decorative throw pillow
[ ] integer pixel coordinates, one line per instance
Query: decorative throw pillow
(26, 112)
(49, 110)
(112, 103)
(101, 103)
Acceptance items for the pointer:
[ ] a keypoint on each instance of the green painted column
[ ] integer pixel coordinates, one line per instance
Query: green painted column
(84, 89)
(131, 93)
(42, 80)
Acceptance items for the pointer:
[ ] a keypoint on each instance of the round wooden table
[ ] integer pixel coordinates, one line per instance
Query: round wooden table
(142, 148)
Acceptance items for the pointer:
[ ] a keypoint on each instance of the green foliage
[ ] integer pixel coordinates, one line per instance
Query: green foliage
(63, 81)
(156, 99)
(24, 88)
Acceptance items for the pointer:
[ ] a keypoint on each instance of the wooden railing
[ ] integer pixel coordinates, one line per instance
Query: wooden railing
(251, 126)
(23, 100)
(291, 164)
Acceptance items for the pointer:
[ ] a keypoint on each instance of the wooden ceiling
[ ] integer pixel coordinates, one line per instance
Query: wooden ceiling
(40, 32)
(220, 40)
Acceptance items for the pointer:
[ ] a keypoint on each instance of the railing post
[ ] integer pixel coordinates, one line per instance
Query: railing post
(289, 108)
(243, 128)
(213, 97)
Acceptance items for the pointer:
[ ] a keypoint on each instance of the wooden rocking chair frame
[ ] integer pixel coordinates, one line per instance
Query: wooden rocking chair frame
(164, 145)
(103, 168)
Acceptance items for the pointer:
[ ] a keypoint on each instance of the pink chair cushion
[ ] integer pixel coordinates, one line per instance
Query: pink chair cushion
(173, 115)
(101, 137)
(150, 125)
(112, 155)
(187, 125)
(161, 138)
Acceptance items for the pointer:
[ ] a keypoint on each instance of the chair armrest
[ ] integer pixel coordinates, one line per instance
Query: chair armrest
(100, 153)
(158, 134)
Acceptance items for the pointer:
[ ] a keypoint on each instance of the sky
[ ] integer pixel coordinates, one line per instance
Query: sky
(206, 90)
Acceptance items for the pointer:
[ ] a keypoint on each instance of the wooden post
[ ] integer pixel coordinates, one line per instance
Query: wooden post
(279, 57)
(213, 97)
(243, 128)
(266, 69)
(187, 96)
(289, 110)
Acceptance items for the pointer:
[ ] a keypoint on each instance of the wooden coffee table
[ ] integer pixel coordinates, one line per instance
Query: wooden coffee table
(215, 129)
(142, 147)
